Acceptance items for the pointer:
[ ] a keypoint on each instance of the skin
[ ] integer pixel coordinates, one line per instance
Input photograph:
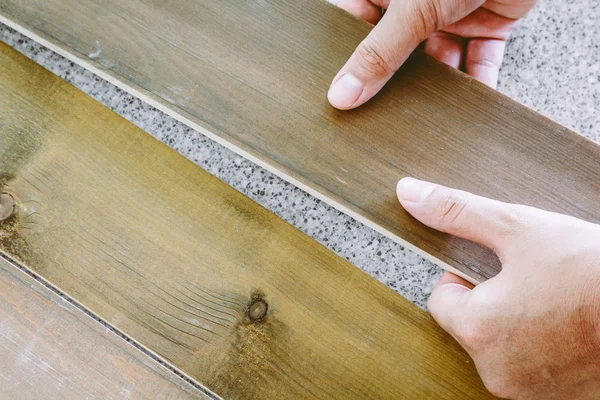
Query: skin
(466, 34)
(533, 330)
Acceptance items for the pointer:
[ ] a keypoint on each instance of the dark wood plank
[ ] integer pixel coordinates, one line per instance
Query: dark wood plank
(175, 258)
(254, 75)
(51, 350)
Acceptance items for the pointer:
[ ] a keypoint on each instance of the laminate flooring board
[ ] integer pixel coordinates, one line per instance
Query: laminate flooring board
(187, 266)
(52, 350)
(253, 75)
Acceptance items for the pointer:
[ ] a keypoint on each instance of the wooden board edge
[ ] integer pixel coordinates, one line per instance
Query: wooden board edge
(237, 148)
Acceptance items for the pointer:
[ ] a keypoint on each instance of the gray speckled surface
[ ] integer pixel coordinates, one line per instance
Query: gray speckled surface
(552, 65)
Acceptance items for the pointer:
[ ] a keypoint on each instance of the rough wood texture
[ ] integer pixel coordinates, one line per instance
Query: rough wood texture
(174, 257)
(254, 76)
(51, 350)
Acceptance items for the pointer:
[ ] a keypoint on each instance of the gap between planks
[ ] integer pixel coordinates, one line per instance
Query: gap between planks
(127, 340)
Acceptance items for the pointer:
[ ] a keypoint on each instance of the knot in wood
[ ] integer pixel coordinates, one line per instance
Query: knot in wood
(257, 310)
(7, 206)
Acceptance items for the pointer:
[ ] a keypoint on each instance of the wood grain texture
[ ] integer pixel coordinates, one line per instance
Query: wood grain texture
(173, 257)
(253, 75)
(51, 350)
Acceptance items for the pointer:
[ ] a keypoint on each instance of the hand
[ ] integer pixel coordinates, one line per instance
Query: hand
(466, 34)
(533, 331)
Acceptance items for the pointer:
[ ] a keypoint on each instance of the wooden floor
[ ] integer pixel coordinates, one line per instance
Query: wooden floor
(212, 283)
(52, 350)
(254, 76)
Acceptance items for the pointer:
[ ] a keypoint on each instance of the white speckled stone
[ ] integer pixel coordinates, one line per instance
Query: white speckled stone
(552, 64)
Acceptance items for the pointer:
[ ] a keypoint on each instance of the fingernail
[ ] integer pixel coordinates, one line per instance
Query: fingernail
(414, 190)
(345, 91)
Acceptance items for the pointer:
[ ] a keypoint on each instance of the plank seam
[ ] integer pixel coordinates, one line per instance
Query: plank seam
(138, 346)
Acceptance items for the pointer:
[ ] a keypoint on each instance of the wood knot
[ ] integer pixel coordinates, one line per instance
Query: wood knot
(257, 310)
(7, 206)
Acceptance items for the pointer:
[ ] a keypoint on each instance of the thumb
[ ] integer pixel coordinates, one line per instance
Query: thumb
(405, 24)
(448, 300)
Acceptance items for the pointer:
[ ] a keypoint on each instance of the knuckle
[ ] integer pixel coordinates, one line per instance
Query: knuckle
(373, 58)
(511, 225)
(451, 207)
(509, 219)
(483, 63)
(428, 16)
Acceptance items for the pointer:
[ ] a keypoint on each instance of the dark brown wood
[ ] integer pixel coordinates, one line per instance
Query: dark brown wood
(51, 350)
(218, 286)
(254, 75)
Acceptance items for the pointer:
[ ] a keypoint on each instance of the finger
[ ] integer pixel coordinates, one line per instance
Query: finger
(485, 221)
(449, 277)
(363, 9)
(511, 9)
(371, 65)
(483, 23)
(388, 45)
(483, 60)
(448, 301)
(446, 47)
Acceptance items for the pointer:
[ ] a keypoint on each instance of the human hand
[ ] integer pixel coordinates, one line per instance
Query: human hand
(466, 34)
(533, 331)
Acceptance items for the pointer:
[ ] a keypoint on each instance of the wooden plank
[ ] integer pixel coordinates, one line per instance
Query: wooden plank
(253, 75)
(174, 258)
(51, 350)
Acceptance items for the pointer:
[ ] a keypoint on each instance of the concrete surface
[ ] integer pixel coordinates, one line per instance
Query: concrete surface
(552, 64)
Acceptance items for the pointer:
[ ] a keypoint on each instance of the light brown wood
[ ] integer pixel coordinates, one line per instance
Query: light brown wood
(254, 76)
(52, 350)
(176, 259)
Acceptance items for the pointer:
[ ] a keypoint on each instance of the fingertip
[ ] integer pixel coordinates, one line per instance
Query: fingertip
(400, 187)
(483, 60)
(446, 47)
(486, 75)
(363, 9)
(411, 190)
(410, 193)
(345, 91)
(446, 302)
